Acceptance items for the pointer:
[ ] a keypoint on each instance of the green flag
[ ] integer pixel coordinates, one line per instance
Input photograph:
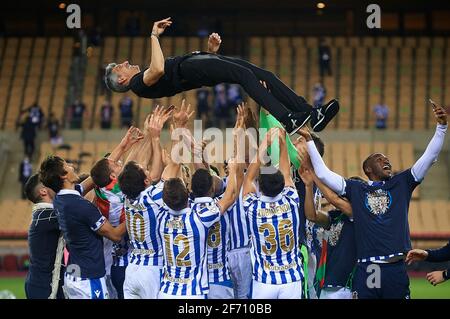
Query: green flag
(267, 121)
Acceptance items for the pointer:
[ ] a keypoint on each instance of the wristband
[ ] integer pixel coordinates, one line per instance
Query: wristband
(445, 275)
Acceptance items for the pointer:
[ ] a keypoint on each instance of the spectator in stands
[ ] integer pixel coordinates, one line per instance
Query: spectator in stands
(28, 135)
(25, 171)
(36, 114)
(319, 92)
(324, 58)
(96, 38)
(53, 130)
(106, 115)
(381, 112)
(126, 111)
(44, 237)
(203, 104)
(432, 255)
(221, 105)
(234, 94)
(101, 83)
(77, 111)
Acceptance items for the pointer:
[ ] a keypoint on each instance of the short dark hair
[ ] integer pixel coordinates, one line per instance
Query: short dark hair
(366, 162)
(271, 184)
(100, 173)
(51, 171)
(201, 183)
(31, 191)
(215, 169)
(132, 180)
(175, 194)
(319, 143)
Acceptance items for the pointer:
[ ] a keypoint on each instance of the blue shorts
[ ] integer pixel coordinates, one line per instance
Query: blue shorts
(381, 281)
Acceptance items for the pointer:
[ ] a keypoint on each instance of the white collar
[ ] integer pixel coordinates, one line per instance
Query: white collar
(203, 199)
(68, 191)
(268, 199)
(179, 212)
(41, 206)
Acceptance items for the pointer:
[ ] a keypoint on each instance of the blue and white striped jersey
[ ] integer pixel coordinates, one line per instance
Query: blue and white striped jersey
(142, 217)
(239, 225)
(275, 228)
(185, 253)
(218, 245)
(122, 252)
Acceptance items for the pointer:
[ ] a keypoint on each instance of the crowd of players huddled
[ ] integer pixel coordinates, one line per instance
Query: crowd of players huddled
(144, 224)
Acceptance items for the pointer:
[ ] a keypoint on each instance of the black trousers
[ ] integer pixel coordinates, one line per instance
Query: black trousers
(212, 69)
(118, 278)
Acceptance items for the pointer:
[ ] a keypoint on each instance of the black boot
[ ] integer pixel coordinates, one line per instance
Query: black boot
(294, 121)
(324, 114)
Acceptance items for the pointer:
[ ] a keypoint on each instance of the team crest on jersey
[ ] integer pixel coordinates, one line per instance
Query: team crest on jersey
(378, 201)
(334, 233)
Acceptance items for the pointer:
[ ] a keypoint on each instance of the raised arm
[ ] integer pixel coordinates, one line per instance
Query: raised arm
(329, 178)
(214, 42)
(133, 136)
(156, 124)
(311, 213)
(156, 68)
(423, 164)
(180, 118)
(253, 168)
(231, 193)
(285, 163)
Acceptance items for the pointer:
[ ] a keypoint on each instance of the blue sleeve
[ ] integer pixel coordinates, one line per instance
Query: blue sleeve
(349, 185)
(91, 216)
(439, 255)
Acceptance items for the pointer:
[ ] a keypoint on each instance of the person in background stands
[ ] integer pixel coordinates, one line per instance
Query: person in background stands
(25, 171)
(381, 112)
(324, 58)
(53, 130)
(126, 111)
(106, 115)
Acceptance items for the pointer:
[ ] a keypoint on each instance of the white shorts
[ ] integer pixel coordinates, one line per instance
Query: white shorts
(163, 295)
(240, 264)
(312, 264)
(217, 291)
(336, 293)
(109, 285)
(77, 288)
(107, 253)
(142, 282)
(292, 290)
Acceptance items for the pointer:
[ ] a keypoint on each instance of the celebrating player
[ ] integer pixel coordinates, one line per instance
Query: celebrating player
(274, 221)
(380, 210)
(174, 75)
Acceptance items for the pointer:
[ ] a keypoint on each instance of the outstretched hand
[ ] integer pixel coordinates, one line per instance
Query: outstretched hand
(440, 114)
(416, 255)
(132, 136)
(182, 115)
(160, 26)
(214, 42)
(305, 133)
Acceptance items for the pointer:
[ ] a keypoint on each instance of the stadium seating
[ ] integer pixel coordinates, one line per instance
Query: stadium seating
(404, 72)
